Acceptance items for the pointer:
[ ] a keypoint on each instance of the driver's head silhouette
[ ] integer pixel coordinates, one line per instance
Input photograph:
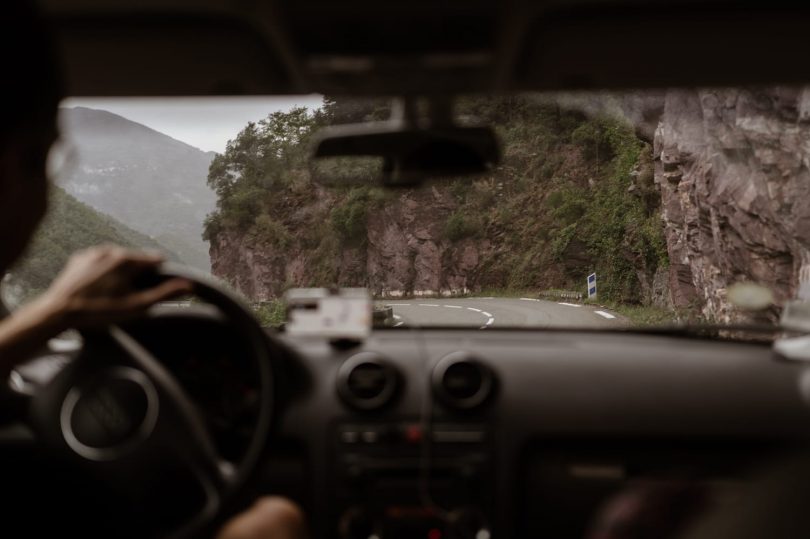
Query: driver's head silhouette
(31, 90)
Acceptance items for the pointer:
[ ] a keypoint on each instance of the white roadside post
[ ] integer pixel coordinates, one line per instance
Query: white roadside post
(592, 286)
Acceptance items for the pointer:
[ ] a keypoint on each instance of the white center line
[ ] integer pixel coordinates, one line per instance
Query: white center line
(473, 309)
(529, 299)
(428, 305)
(454, 306)
(397, 317)
(486, 314)
(604, 314)
(568, 304)
(398, 324)
(490, 321)
(488, 297)
(398, 305)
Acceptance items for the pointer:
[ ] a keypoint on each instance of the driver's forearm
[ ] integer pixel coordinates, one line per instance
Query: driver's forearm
(27, 330)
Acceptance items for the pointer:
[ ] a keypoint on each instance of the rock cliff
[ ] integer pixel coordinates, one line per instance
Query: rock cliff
(732, 167)
(403, 252)
(573, 195)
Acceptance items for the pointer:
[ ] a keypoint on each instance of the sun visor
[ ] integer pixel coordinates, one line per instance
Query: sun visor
(163, 56)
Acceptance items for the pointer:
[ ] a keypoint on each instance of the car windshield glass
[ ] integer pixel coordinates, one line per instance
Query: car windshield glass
(607, 209)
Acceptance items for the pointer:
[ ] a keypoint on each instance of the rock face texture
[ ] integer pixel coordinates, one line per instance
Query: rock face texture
(404, 252)
(733, 168)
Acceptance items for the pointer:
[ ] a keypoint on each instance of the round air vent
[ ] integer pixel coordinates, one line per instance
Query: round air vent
(367, 381)
(461, 381)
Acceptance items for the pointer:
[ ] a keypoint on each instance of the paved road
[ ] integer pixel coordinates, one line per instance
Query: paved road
(504, 312)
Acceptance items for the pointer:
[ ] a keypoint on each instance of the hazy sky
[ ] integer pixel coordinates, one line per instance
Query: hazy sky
(205, 122)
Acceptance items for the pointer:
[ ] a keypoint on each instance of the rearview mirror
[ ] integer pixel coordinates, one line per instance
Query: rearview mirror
(393, 153)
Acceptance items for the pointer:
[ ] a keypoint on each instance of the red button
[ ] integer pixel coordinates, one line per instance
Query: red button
(413, 434)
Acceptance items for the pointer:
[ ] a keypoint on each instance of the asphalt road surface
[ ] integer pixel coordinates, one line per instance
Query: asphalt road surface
(489, 312)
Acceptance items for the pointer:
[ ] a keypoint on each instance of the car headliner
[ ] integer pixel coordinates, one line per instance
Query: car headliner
(240, 47)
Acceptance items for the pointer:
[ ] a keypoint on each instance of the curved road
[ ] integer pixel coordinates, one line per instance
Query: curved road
(504, 312)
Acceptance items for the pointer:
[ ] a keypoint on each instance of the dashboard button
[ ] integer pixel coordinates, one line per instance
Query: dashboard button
(413, 434)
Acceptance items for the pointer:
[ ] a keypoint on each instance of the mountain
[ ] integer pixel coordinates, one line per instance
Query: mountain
(68, 227)
(147, 180)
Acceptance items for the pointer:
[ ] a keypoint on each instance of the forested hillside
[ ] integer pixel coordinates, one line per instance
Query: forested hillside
(573, 195)
(69, 226)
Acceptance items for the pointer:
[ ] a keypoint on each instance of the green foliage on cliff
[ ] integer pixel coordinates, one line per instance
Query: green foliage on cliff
(271, 231)
(621, 233)
(69, 227)
(460, 225)
(564, 203)
(349, 217)
(264, 159)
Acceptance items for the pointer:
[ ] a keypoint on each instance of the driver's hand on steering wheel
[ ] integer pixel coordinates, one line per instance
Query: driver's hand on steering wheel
(96, 288)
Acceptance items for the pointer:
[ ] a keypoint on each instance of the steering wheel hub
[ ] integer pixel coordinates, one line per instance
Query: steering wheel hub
(102, 420)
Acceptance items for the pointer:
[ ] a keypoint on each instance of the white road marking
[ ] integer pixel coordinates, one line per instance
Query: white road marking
(490, 318)
(488, 297)
(529, 299)
(398, 305)
(604, 314)
(397, 317)
(568, 304)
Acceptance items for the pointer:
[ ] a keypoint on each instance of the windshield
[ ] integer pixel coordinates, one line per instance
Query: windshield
(607, 209)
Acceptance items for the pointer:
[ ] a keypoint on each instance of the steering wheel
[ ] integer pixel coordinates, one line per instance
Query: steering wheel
(119, 414)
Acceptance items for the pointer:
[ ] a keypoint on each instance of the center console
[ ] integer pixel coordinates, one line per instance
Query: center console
(413, 477)
(407, 481)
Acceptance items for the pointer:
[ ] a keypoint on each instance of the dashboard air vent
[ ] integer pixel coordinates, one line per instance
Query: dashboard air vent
(460, 381)
(367, 381)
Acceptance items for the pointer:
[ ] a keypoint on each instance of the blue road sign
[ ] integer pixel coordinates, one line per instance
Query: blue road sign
(592, 285)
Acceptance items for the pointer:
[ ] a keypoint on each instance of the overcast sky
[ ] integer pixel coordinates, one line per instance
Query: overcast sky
(207, 123)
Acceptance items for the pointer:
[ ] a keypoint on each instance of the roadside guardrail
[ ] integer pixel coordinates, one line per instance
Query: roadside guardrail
(560, 294)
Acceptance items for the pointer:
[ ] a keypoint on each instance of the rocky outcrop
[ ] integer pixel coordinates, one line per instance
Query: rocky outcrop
(404, 252)
(733, 169)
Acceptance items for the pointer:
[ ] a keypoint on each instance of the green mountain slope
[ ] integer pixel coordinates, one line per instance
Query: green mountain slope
(69, 226)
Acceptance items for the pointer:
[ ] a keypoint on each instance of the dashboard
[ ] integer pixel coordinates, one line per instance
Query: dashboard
(468, 433)
(456, 433)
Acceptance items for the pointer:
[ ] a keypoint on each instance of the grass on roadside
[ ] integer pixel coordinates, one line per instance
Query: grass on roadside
(643, 315)
(271, 314)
